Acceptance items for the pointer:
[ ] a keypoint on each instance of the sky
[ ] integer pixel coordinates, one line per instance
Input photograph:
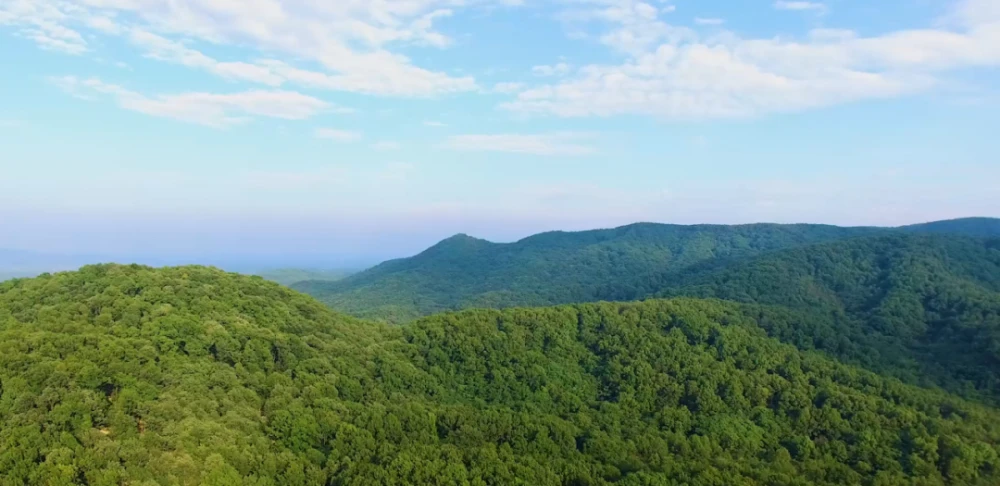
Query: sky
(297, 131)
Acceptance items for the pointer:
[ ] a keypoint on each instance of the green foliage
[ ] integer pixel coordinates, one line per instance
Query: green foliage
(625, 263)
(130, 375)
(980, 227)
(925, 309)
(910, 302)
(550, 268)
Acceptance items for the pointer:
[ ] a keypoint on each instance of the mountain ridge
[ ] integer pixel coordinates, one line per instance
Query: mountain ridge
(463, 271)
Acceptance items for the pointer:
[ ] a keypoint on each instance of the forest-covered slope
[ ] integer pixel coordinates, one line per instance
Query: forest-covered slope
(923, 308)
(551, 268)
(130, 375)
(981, 227)
(625, 263)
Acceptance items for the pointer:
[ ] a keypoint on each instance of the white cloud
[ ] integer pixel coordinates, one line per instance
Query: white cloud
(508, 87)
(44, 24)
(216, 110)
(798, 5)
(562, 143)
(708, 21)
(386, 146)
(684, 76)
(163, 49)
(350, 41)
(338, 135)
(636, 24)
(560, 69)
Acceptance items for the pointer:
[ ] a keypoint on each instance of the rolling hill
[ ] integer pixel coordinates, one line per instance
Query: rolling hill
(189, 375)
(924, 308)
(551, 268)
(625, 263)
(981, 227)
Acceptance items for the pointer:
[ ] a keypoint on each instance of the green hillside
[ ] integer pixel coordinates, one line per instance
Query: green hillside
(625, 263)
(551, 268)
(131, 375)
(982, 227)
(923, 308)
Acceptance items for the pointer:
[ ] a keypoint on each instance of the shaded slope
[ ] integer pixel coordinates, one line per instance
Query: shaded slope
(980, 227)
(924, 308)
(552, 268)
(129, 375)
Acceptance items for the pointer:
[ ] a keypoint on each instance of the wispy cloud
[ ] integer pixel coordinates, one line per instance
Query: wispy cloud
(163, 49)
(338, 135)
(351, 43)
(708, 21)
(508, 87)
(799, 5)
(560, 69)
(215, 110)
(386, 146)
(674, 73)
(553, 144)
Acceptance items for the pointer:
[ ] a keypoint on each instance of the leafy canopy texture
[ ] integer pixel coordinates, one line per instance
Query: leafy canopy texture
(626, 263)
(131, 375)
(919, 303)
(925, 309)
(552, 268)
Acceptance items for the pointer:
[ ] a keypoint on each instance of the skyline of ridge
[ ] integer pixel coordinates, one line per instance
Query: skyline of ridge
(21, 262)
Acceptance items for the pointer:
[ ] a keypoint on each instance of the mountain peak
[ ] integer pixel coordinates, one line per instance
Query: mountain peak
(462, 239)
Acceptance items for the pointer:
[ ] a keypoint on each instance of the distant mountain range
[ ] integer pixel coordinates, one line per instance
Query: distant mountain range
(920, 303)
(561, 267)
(21, 263)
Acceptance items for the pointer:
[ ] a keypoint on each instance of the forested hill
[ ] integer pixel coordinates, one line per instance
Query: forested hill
(983, 227)
(131, 375)
(552, 268)
(925, 308)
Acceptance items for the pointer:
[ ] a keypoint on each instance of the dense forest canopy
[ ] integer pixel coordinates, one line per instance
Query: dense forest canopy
(982, 227)
(625, 263)
(923, 308)
(915, 303)
(550, 268)
(132, 375)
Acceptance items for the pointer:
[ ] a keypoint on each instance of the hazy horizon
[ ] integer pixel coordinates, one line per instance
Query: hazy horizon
(361, 131)
(194, 251)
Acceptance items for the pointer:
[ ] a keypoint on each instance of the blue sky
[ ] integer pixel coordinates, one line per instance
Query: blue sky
(369, 129)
